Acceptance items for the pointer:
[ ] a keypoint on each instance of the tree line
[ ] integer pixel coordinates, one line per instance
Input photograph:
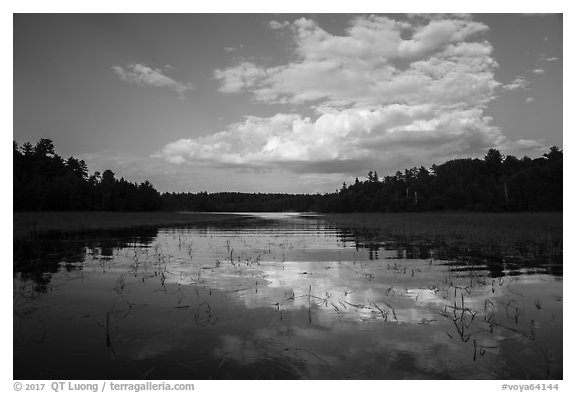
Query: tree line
(45, 181)
(494, 183)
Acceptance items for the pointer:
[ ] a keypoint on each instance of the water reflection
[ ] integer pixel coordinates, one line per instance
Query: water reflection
(280, 297)
(39, 258)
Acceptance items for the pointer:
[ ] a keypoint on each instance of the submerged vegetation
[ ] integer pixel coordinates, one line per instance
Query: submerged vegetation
(44, 181)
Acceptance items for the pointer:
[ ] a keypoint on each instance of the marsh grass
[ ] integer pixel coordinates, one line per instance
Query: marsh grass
(513, 237)
(30, 224)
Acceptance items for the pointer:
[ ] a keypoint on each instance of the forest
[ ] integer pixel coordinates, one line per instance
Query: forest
(44, 181)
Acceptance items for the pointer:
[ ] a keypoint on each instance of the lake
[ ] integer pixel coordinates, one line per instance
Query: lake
(280, 296)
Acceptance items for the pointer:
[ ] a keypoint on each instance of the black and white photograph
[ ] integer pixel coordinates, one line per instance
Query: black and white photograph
(287, 196)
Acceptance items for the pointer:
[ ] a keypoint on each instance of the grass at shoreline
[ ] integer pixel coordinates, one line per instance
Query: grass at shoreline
(549, 223)
(27, 224)
(499, 231)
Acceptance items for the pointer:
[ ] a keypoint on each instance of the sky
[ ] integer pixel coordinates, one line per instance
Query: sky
(294, 103)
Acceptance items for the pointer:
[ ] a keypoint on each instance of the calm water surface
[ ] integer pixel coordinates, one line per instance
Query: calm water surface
(279, 296)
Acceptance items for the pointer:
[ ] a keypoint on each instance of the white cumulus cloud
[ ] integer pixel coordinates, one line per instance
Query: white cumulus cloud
(143, 75)
(241, 77)
(360, 66)
(387, 94)
(341, 141)
(519, 83)
(274, 25)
